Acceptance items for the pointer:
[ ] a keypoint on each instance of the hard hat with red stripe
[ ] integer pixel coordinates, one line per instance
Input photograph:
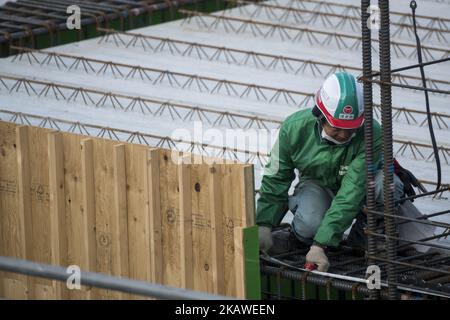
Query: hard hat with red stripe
(340, 99)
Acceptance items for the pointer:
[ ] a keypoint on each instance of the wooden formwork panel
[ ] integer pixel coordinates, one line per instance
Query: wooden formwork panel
(121, 209)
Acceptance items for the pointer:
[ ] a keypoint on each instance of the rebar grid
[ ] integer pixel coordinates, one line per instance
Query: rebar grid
(177, 111)
(408, 283)
(254, 59)
(172, 78)
(256, 157)
(314, 36)
(352, 262)
(420, 272)
(354, 11)
(154, 140)
(193, 81)
(151, 106)
(335, 21)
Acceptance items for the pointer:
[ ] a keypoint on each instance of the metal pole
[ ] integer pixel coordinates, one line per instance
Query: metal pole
(388, 167)
(103, 281)
(368, 133)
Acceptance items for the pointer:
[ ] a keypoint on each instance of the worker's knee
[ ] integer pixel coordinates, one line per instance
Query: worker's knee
(306, 224)
(379, 187)
(309, 205)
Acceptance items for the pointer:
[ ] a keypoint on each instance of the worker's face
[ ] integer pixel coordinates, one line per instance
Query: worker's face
(341, 135)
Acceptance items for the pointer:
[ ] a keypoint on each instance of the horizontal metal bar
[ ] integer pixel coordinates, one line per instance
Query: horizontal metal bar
(414, 266)
(427, 216)
(424, 194)
(438, 260)
(357, 270)
(421, 221)
(419, 144)
(406, 245)
(99, 280)
(404, 86)
(427, 275)
(412, 66)
(423, 243)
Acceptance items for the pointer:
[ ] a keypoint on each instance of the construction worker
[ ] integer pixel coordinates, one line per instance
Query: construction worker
(326, 145)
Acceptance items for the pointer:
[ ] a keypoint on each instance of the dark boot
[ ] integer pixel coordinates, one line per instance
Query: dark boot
(285, 241)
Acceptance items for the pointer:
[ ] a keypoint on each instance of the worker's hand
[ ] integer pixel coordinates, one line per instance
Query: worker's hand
(265, 238)
(316, 255)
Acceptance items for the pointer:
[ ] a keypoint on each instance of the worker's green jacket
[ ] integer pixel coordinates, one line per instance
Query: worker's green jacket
(338, 167)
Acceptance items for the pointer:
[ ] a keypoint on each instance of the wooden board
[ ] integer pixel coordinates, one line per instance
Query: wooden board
(25, 213)
(154, 200)
(87, 222)
(239, 262)
(201, 228)
(58, 241)
(104, 191)
(185, 224)
(120, 209)
(170, 218)
(76, 213)
(40, 204)
(217, 228)
(119, 217)
(11, 237)
(138, 216)
(230, 220)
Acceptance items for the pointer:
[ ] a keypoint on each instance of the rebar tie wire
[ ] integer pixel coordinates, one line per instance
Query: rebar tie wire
(413, 6)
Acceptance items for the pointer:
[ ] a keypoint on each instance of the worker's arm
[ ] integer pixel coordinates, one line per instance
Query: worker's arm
(278, 176)
(348, 200)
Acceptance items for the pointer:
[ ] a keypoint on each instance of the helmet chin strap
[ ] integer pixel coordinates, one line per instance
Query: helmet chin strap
(325, 136)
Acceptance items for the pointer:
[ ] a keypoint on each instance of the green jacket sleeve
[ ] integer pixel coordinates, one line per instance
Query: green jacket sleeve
(348, 200)
(277, 178)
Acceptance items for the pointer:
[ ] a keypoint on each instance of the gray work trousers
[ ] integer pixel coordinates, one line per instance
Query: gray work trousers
(310, 202)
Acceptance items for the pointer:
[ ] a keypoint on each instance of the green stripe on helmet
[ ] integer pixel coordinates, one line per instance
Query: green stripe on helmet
(347, 108)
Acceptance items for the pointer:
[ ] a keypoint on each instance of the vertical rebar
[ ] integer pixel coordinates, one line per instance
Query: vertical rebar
(368, 134)
(388, 167)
